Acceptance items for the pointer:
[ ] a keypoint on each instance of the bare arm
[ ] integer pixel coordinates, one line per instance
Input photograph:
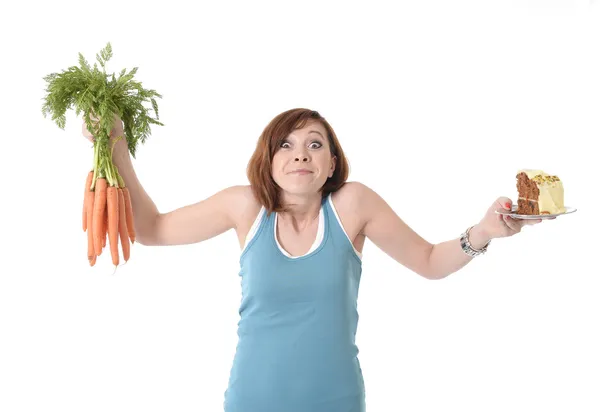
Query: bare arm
(432, 261)
(448, 257)
(199, 221)
(390, 233)
(188, 224)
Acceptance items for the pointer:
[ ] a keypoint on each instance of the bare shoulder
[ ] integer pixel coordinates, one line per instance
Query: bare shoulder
(245, 207)
(348, 203)
(348, 193)
(245, 212)
(359, 199)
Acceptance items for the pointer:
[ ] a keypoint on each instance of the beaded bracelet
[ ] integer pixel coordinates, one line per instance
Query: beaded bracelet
(466, 245)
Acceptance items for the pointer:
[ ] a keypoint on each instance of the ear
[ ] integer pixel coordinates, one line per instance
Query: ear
(333, 163)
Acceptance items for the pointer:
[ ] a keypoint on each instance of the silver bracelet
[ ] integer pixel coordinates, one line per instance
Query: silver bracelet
(466, 245)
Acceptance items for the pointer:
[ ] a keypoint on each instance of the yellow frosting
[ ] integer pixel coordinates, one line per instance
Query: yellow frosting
(551, 199)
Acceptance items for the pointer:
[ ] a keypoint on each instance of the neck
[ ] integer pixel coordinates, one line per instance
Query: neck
(303, 209)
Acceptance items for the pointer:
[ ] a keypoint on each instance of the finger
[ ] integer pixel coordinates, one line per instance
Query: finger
(511, 223)
(504, 203)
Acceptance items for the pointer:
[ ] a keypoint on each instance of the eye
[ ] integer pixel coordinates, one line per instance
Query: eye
(312, 143)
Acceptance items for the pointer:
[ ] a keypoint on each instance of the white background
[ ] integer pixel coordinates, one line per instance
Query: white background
(437, 104)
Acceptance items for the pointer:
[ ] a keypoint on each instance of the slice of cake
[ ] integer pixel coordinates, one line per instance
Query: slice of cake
(539, 193)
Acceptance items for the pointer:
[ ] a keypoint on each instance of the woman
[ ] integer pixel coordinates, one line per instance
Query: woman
(301, 228)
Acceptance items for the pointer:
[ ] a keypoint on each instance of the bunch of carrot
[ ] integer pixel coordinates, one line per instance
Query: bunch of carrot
(107, 213)
(107, 209)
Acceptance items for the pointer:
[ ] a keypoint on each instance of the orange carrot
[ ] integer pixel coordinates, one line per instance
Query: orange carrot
(92, 260)
(90, 228)
(105, 228)
(112, 203)
(98, 218)
(129, 214)
(88, 184)
(123, 235)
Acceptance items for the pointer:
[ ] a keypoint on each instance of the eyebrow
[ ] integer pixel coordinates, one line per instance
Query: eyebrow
(317, 132)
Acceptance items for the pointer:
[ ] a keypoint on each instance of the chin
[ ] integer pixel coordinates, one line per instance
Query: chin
(303, 190)
(299, 189)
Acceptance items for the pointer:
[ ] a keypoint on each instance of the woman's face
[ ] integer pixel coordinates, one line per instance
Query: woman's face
(306, 148)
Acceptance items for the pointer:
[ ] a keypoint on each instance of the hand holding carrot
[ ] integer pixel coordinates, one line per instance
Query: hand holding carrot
(116, 130)
(114, 119)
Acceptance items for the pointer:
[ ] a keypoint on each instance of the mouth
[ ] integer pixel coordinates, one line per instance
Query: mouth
(301, 172)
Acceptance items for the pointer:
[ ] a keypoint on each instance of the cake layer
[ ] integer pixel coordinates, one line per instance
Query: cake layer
(527, 207)
(539, 193)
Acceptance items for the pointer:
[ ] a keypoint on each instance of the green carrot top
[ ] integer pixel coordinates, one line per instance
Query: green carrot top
(93, 92)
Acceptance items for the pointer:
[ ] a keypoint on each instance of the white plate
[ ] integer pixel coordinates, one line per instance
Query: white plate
(514, 215)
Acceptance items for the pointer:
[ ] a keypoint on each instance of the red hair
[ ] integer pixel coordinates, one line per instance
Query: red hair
(259, 167)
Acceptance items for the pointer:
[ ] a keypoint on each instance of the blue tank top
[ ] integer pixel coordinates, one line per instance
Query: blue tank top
(296, 347)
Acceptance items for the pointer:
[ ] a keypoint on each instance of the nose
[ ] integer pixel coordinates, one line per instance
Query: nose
(301, 155)
(301, 158)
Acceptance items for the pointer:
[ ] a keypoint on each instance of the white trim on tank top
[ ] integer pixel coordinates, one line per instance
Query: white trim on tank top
(316, 243)
(343, 229)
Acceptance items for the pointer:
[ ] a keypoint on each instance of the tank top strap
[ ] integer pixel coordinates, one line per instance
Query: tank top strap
(337, 231)
(258, 231)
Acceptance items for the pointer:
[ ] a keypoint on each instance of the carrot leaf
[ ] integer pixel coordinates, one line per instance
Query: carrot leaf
(93, 91)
